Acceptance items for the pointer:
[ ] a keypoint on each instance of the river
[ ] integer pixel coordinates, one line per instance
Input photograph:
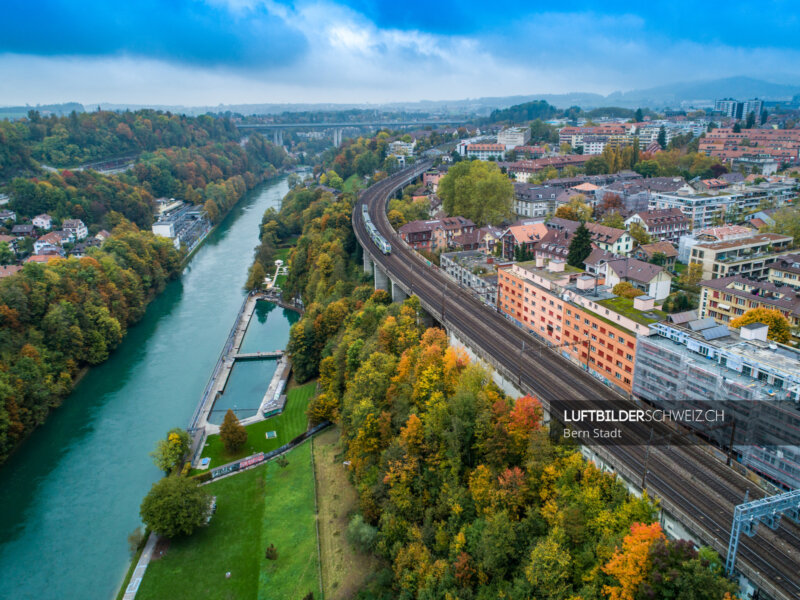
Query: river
(70, 496)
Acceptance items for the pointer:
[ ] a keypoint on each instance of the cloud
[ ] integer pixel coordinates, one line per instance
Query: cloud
(240, 51)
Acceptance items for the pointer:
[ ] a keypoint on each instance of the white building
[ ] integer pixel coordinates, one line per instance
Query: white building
(513, 137)
(76, 227)
(43, 221)
(486, 151)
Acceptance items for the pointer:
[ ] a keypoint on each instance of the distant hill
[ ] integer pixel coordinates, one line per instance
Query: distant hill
(17, 112)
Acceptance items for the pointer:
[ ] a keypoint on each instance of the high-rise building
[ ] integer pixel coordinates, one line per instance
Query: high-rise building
(739, 110)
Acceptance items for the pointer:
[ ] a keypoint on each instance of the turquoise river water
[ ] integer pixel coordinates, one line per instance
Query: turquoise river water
(70, 496)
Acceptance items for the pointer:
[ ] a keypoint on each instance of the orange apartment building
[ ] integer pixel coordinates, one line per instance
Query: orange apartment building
(582, 320)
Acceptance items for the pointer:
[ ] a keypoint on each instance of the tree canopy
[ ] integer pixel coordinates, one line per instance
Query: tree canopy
(580, 247)
(479, 191)
(779, 328)
(175, 506)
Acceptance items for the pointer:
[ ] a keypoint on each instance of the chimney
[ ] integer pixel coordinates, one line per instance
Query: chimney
(644, 303)
(585, 282)
(754, 331)
(556, 265)
(539, 262)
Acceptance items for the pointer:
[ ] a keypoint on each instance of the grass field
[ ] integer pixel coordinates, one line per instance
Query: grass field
(343, 569)
(288, 425)
(256, 508)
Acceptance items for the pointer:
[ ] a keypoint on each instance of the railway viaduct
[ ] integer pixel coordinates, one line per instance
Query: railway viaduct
(695, 490)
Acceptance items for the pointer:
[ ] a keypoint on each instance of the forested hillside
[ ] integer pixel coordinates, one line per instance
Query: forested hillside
(58, 317)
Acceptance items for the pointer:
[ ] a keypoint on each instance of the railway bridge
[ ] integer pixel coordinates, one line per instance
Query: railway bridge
(695, 490)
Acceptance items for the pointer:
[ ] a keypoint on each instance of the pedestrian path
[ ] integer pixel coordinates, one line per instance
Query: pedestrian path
(141, 567)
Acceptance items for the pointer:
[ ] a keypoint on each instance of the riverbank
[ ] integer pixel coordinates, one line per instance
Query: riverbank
(71, 493)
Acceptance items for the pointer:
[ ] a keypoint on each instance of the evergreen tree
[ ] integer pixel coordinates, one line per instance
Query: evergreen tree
(662, 138)
(737, 127)
(638, 116)
(580, 247)
(232, 433)
(751, 120)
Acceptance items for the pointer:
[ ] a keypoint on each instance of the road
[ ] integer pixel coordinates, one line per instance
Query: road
(684, 479)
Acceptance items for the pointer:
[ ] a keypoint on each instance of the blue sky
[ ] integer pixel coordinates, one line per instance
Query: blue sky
(235, 51)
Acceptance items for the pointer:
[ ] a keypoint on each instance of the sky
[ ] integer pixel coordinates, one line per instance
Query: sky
(210, 52)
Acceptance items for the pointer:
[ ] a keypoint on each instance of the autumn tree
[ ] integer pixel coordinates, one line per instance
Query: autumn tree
(613, 219)
(630, 565)
(626, 290)
(692, 275)
(639, 234)
(786, 222)
(779, 328)
(575, 210)
(232, 433)
(548, 570)
(479, 191)
(170, 451)
(580, 247)
(255, 276)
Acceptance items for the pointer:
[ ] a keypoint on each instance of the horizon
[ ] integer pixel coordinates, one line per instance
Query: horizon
(224, 52)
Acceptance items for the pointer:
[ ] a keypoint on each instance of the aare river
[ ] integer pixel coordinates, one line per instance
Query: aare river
(70, 496)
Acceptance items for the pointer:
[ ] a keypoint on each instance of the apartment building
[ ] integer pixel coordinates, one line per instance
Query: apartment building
(534, 200)
(661, 225)
(513, 137)
(474, 270)
(524, 170)
(652, 279)
(739, 110)
(435, 234)
(785, 270)
(486, 151)
(703, 210)
(710, 234)
(726, 298)
(781, 145)
(636, 193)
(525, 234)
(588, 325)
(611, 239)
(749, 257)
(698, 365)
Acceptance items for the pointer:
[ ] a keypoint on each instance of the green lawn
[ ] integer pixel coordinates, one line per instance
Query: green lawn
(624, 306)
(352, 184)
(262, 506)
(288, 425)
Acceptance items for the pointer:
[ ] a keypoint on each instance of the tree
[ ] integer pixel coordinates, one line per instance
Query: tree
(613, 219)
(646, 168)
(596, 165)
(779, 329)
(638, 116)
(170, 451)
(7, 255)
(631, 565)
(232, 433)
(662, 138)
(659, 258)
(549, 570)
(751, 120)
(639, 234)
(692, 275)
(580, 247)
(575, 210)
(479, 191)
(737, 127)
(763, 116)
(255, 276)
(360, 534)
(625, 289)
(787, 222)
(175, 506)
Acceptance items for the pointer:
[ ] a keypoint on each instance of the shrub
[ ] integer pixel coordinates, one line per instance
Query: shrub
(271, 553)
(202, 477)
(361, 534)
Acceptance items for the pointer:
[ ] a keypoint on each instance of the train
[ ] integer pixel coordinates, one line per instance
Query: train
(377, 238)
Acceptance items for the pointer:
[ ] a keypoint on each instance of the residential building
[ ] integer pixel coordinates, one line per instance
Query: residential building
(431, 178)
(785, 270)
(524, 170)
(434, 234)
(483, 239)
(76, 227)
(52, 242)
(486, 151)
(401, 148)
(8, 215)
(748, 257)
(534, 200)
(780, 145)
(661, 225)
(616, 241)
(726, 298)
(513, 137)
(524, 234)
(703, 210)
(587, 324)
(700, 366)
(664, 250)
(81, 248)
(103, 235)
(9, 270)
(474, 270)
(710, 234)
(43, 221)
(23, 231)
(185, 226)
(636, 193)
(652, 279)
(739, 110)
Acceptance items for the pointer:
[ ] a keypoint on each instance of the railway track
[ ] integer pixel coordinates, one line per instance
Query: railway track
(685, 479)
